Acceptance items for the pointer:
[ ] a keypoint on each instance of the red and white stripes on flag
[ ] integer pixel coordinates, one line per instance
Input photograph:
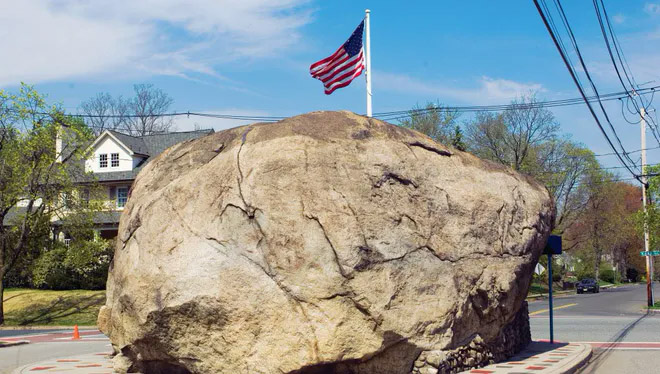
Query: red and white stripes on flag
(340, 68)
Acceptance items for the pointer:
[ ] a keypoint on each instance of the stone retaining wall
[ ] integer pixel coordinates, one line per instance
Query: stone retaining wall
(514, 337)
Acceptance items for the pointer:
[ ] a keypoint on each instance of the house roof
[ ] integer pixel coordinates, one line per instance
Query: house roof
(14, 214)
(133, 143)
(147, 145)
(157, 143)
(99, 218)
(106, 217)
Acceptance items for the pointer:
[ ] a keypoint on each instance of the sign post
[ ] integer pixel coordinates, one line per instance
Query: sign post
(552, 248)
(552, 337)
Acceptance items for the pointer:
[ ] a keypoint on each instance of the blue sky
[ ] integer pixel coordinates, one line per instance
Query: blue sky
(252, 56)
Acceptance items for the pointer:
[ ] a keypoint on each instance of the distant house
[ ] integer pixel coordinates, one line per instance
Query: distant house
(115, 161)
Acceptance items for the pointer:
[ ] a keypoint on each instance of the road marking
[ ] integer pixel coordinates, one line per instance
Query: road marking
(625, 345)
(555, 308)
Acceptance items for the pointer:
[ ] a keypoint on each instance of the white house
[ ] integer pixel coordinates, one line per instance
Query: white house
(115, 161)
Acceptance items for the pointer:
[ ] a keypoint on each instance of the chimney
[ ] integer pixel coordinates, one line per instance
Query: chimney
(58, 145)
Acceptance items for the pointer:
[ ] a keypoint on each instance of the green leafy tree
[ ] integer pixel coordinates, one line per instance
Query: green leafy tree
(604, 227)
(527, 138)
(436, 122)
(34, 176)
(651, 218)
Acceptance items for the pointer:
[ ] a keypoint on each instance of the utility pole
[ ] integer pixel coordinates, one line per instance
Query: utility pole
(649, 258)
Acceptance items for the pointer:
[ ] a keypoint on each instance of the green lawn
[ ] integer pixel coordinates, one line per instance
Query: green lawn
(535, 289)
(25, 307)
(542, 288)
(655, 306)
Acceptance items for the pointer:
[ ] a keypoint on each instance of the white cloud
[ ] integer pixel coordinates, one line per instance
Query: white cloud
(644, 68)
(47, 40)
(184, 123)
(652, 8)
(488, 90)
(619, 18)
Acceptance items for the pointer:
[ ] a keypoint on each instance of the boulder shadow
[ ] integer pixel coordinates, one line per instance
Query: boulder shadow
(62, 307)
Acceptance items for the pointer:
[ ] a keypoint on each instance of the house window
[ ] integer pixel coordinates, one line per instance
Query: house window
(103, 160)
(67, 199)
(114, 160)
(84, 195)
(122, 196)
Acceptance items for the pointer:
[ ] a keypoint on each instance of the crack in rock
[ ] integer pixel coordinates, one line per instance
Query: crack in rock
(430, 148)
(134, 224)
(240, 174)
(355, 215)
(327, 238)
(388, 175)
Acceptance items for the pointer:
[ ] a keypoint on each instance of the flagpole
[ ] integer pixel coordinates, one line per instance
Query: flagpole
(368, 60)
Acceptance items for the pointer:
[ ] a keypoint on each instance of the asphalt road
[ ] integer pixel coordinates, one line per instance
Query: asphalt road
(19, 332)
(48, 344)
(626, 339)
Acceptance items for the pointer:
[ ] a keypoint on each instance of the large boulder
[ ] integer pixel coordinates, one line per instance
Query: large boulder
(324, 243)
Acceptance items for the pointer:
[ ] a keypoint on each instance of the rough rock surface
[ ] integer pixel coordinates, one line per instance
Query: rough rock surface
(324, 243)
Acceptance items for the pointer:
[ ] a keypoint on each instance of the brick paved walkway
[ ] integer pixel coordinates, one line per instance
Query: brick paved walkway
(96, 363)
(539, 357)
(542, 357)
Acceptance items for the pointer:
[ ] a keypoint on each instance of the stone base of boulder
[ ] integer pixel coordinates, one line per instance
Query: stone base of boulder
(514, 338)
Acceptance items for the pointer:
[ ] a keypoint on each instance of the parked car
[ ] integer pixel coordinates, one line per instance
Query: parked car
(587, 285)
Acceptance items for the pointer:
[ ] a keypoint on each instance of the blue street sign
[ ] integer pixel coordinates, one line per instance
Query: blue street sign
(650, 253)
(554, 245)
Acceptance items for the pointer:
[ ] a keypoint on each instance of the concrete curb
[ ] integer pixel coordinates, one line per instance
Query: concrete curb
(576, 364)
(63, 327)
(572, 292)
(5, 344)
(558, 358)
(90, 363)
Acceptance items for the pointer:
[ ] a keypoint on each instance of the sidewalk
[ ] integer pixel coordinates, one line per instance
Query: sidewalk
(7, 343)
(539, 357)
(542, 357)
(95, 363)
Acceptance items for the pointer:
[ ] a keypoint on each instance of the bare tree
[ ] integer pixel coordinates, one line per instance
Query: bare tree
(103, 112)
(139, 115)
(146, 111)
(509, 137)
(526, 138)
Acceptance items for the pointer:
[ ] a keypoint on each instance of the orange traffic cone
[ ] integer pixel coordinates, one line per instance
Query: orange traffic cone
(76, 333)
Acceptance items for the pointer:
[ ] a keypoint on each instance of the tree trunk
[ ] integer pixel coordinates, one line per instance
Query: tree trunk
(2, 303)
(2, 276)
(598, 253)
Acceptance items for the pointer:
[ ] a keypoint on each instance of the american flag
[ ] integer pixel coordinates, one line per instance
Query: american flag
(340, 68)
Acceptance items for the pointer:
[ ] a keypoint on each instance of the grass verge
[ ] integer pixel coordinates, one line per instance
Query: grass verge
(25, 307)
(655, 306)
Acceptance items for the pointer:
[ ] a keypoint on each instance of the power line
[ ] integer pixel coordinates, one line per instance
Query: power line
(586, 72)
(628, 74)
(382, 115)
(631, 152)
(503, 107)
(591, 184)
(573, 74)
